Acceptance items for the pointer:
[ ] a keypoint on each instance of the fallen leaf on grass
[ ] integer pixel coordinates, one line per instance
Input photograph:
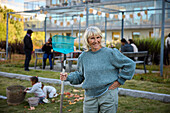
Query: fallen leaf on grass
(53, 100)
(70, 110)
(64, 100)
(71, 95)
(66, 93)
(76, 100)
(25, 106)
(75, 91)
(76, 96)
(31, 108)
(71, 103)
(81, 98)
(81, 95)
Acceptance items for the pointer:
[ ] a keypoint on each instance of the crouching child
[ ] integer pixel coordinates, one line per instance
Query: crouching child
(49, 91)
(36, 89)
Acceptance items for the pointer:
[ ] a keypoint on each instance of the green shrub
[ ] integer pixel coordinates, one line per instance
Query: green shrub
(152, 45)
(77, 46)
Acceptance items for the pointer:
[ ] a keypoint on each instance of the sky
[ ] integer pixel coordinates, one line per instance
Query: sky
(16, 5)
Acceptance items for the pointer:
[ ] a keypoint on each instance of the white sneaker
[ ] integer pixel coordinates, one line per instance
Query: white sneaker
(46, 100)
(55, 95)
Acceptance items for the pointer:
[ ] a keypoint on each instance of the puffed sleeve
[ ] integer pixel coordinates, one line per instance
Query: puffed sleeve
(124, 63)
(77, 77)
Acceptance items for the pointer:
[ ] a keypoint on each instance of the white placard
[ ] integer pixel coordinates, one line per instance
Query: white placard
(111, 16)
(120, 16)
(78, 18)
(84, 12)
(72, 22)
(94, 12)
(127, 16)
(142, 13)
(58, 23)
(103, 14)
(65, 23)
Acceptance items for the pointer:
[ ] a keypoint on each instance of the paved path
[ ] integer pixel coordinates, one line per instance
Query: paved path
(122, 91)
(57, 68)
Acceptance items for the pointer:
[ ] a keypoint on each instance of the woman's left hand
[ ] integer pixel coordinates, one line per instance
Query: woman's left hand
(115, 85)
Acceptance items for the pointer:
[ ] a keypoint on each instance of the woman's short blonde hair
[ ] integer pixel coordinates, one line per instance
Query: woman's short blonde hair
(91, 31)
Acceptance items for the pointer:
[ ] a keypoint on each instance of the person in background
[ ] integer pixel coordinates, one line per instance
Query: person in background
(28, 48)
(49, 91)
(125, 47)
(36, 89)
(99, 70)
(167, 50)
(135, 49)
(47, 47)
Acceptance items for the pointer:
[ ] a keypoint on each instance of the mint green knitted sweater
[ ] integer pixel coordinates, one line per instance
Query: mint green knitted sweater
(98, 70)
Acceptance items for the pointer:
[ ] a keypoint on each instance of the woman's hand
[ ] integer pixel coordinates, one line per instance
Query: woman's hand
(63, 76)
(115, 85)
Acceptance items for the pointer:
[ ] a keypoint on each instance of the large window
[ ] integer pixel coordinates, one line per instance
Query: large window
(55, 2)
(77, 35)
(135, 35)
(115, 35)
(151, 34)
(66, 34)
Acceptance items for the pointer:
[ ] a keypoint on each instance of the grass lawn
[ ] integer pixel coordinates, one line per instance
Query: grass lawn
(126, 104)
(147, 82)
(150, 82)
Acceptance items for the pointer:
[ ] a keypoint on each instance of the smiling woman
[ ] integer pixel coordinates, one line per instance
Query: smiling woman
(95, 43)
(92, 38)
(98, 69)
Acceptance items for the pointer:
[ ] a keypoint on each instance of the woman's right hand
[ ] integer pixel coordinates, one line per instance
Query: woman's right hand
(63, 76)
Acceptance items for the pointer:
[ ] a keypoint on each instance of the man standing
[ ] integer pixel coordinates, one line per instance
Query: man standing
(28, 47)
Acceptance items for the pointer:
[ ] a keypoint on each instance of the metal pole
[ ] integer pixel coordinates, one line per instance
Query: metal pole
(62, 85)
(72, 27)
(7, 35)
(87, 16)
(45, 28)
(162, 38)
(122, 26)
(105, 29)
(79, 31)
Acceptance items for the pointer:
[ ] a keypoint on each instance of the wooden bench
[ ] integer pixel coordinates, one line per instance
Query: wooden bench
(57, 56)
(38, 56)
(2, 55)
(73, 57)
(138, 54)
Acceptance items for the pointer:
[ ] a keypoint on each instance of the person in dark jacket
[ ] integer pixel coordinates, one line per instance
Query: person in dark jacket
(47, 47)
(28, 47)
(125, 47)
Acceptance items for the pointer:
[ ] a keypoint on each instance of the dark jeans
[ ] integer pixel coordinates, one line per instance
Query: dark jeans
(27, 59)
(41, 100)
(46, 55)
(166, 56)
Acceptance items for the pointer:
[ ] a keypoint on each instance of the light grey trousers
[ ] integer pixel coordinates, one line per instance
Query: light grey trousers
(107, 103)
